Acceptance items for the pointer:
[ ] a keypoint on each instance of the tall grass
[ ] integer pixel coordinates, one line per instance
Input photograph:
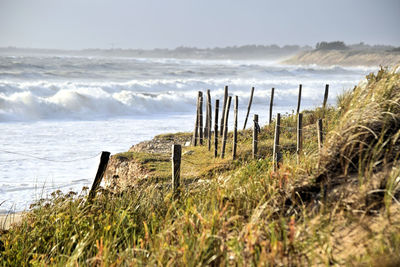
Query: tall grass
(234, 213)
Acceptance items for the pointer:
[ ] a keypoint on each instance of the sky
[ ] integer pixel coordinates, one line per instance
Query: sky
(148, 24)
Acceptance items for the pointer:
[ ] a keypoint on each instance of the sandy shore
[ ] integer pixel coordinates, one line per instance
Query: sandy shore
(6, 220)
(345, 58)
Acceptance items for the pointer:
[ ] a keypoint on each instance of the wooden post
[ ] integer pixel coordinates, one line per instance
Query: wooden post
(206, 126)
(325, 96)
(299, 99)
(248, 108)
(234, 145)
(320, 134)
(271, 103)
(201, 120)
(225, 134)
(216, 128)
(276, 150)
(223, 110)
(176, 167)
(299, 135)
(209, 108)
(105, 156)
(255, 136)
(196, 125)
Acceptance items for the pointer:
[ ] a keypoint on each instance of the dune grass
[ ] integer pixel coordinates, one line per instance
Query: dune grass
(229, 212)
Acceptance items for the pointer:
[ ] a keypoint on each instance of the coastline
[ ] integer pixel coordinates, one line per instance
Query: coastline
(344, 58)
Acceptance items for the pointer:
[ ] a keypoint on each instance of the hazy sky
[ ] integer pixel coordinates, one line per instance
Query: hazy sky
(75, 24)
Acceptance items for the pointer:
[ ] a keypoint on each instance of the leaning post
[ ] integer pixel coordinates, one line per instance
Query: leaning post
(223, 110)
(225, 134)
(325, 96)
(105, 156)
(299, 98)
(248, 107)
(271, 103)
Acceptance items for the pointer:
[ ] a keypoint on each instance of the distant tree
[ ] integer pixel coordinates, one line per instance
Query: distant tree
(337, 45)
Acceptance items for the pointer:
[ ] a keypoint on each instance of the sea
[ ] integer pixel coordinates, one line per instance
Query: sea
(58, 112)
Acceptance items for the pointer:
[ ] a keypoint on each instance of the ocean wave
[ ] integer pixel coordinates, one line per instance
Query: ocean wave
(42, 100)
(85, 88)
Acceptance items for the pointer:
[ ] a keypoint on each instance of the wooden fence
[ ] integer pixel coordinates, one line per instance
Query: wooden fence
(200, 133)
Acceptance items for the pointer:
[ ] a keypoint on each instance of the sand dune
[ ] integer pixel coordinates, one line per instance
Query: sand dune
(345, 58)
(6, 220)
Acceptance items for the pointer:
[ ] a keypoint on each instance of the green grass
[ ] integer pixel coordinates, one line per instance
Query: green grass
(228, 213)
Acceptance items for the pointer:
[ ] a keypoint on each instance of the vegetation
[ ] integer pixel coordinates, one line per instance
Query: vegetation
(338, 45)
(339, 206)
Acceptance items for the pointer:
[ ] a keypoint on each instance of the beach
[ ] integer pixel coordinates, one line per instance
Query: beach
(6, 220)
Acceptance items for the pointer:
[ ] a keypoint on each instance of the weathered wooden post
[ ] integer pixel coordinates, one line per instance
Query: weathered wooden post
(255, 136)
(299, 99)
(299, 135)
(234, 145)
(325, 96)
(325, 100)
(206, 126)
(176, 167)
(271, 103)
(105, 156)
(223, 110)
(276, 150)
(201, 120)
(216, 128)
(320, 133)
(209, 116)
(225, 134)
(196, 125)
(248, 108)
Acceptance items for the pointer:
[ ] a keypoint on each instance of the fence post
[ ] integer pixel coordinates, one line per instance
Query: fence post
(196, 125)
(223, 110)
(255, 136)
(320, 134)
(276, 151)
(201, 120)
(325, 100)
(325, 96)
(271, 103)
(248, 108)
(216, 128)
(105, 156)
(209, 127)
(207, 114)
(225, 134)
(299, 135)
(235, 127)
(299, 98)
(176, 167)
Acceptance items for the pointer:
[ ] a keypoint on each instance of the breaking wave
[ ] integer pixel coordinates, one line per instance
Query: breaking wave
(69, 88)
